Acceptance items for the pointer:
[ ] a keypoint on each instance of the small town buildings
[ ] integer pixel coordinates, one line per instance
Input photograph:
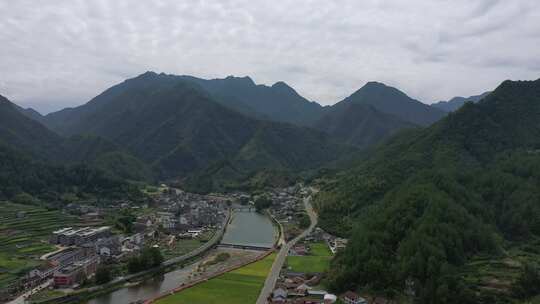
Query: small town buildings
(43, 271)
(350, 297)
(69, 236)
(279, 295)
(337, 244)
(75, 273)
(66, 256)
(300, 249)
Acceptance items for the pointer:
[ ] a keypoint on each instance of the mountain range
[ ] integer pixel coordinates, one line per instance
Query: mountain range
(183, 127)
(458, 101)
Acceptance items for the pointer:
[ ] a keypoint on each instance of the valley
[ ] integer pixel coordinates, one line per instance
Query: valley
(176, 189)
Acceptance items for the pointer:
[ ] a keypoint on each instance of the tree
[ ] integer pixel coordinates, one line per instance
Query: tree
(149, 257)
(262, 202)
(134, 265)
(528, 283)
(103, 275)
(24, 199)
(304, 221)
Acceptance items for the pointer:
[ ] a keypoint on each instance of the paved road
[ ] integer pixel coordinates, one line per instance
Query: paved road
(22, 298)
(272, 277)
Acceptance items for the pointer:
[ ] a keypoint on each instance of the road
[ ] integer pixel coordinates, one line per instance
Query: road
(22, 298)
(272, 277)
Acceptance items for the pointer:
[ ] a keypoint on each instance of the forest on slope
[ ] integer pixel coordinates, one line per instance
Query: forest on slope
(427, 203)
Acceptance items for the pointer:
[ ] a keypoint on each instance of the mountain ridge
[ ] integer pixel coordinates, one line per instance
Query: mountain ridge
(458, 101)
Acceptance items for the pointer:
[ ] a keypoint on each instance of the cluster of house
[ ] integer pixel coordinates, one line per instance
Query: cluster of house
(298, 290)
(82, 250)
(286, 208)
(68, 266)
(334, 243)
(183, 213)
(285, 204)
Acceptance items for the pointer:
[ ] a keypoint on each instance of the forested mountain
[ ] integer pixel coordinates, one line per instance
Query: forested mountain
(458, 101)
(21, 173)
(31, 113)
(392, 101)
(278, 102)
(24, 133)
(27, 150)
(447, 214)
(359, 124)
(380, 112)
(28, 136)
(177, 127)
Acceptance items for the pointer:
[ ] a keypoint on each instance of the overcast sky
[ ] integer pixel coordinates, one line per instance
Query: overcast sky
(58, 53)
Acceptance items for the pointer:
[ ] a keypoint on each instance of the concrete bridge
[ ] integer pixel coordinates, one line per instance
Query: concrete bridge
(245, 247)
(244, 209)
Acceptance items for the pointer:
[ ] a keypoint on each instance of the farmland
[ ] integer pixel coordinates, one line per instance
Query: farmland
(318, 259)
(239, 286)
(24, 231)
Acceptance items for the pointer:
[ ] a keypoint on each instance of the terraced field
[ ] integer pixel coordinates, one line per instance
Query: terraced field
(23, 240)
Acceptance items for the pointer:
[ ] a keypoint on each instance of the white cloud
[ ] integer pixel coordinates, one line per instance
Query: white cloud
(62, 53)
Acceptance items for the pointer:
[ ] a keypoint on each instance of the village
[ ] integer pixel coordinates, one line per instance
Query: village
(173, 221)
(177, 223)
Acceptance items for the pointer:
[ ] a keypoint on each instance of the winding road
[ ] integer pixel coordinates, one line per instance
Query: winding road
(272, 277)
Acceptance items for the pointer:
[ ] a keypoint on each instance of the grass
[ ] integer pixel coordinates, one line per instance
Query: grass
(318, 259)
(46, 294)
(24, 240)
(239, 286)
(183, 246)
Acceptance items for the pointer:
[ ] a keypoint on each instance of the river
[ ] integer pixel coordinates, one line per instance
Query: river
(245, 228)
(250, 228)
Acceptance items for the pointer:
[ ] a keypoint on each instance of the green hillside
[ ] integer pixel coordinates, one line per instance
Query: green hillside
(360, 125)
(427, 204)
(392, 101)
(182, 132)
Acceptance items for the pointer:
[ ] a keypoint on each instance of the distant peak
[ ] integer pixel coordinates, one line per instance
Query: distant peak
(375, 84)
(243, 80)
(149, 74)
(280, 85)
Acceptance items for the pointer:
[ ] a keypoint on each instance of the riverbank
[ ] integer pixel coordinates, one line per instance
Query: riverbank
(87, 294)
(271, 280)
(240, 284)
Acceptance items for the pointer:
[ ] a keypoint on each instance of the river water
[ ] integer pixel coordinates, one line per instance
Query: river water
(245, 228)
(250, 228)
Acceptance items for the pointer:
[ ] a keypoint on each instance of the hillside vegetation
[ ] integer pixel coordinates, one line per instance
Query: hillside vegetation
(427, 204)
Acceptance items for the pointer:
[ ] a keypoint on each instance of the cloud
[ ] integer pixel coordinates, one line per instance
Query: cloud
(62, 53)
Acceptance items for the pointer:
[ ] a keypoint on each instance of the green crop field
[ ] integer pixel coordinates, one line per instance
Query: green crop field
(23, 240)
(239, 286)
(318, 259)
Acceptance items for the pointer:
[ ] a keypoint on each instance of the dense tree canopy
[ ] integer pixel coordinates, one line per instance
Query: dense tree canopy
(423, 204)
